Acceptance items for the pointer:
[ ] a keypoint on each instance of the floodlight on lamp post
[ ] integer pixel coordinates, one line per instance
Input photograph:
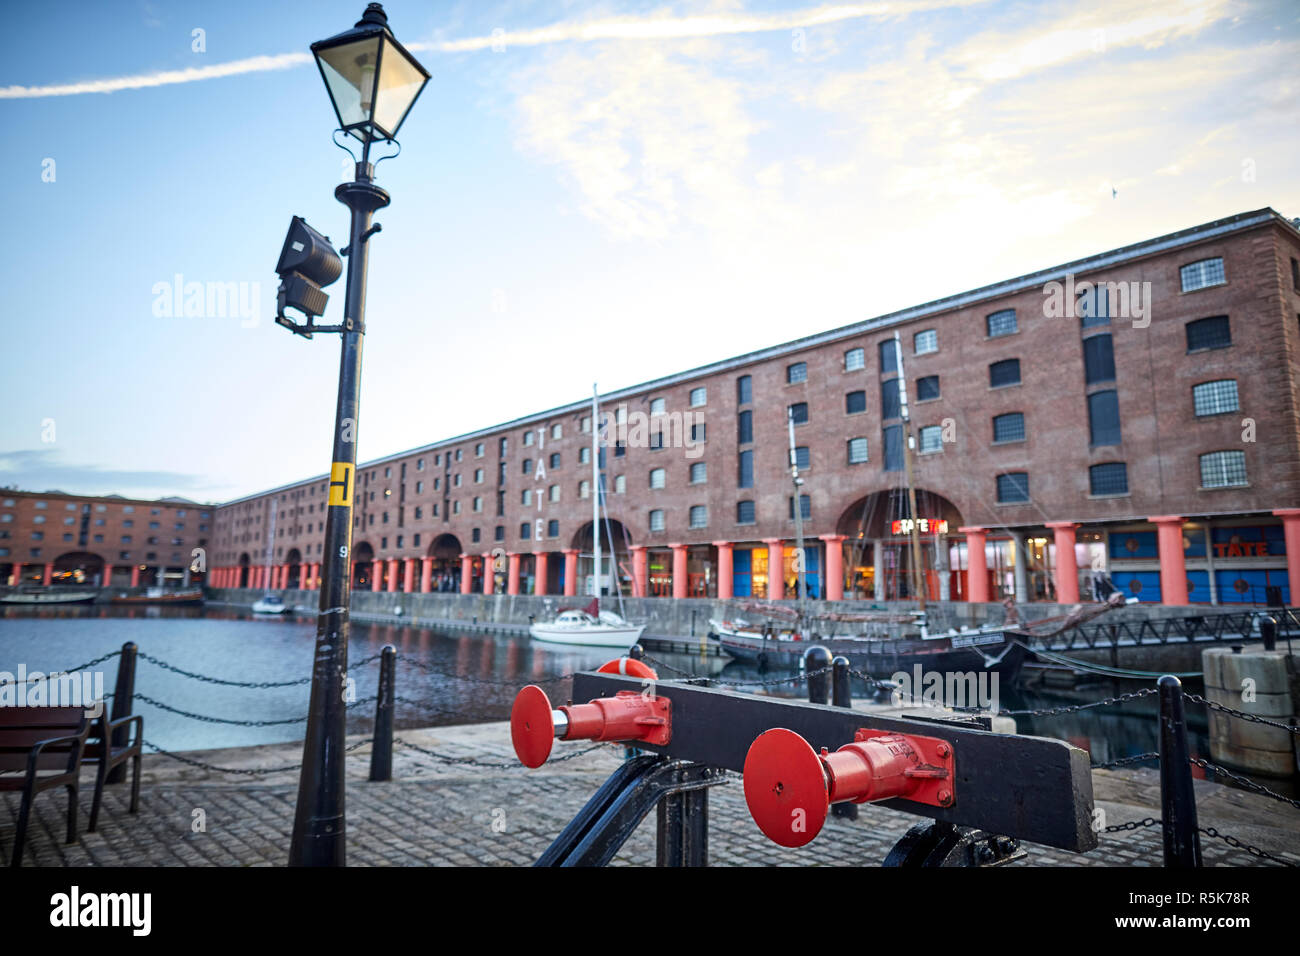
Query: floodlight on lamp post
(372, 82)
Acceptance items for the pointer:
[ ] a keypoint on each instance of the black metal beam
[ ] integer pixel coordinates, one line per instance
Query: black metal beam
(1030, 788)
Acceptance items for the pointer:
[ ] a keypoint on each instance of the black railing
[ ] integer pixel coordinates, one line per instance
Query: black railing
(1225, 626)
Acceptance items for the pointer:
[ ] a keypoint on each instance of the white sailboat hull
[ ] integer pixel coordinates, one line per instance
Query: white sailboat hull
(596, 635)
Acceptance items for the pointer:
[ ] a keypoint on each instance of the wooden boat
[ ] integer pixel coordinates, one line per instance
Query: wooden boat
(161, 596)
(41, 596)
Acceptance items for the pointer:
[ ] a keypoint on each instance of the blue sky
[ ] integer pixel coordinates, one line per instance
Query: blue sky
(597, 192)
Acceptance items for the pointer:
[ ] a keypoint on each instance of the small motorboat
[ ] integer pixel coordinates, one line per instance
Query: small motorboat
(582, 627)
(270, 604)
(161, 596)
(42, 596)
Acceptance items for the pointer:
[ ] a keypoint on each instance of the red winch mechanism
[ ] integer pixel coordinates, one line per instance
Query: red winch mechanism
(627, 716)
(789, 787)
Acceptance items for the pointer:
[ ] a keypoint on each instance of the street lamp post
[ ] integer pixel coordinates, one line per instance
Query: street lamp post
(373, 82)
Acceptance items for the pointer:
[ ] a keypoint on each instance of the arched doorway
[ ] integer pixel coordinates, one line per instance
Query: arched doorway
(877, 546)
(445, 550)
(241, 580)
(294, 560)
(78, 567)
(363, 566)
(616, 550)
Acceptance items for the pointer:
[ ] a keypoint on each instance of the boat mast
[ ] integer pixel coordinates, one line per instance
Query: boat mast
(595, 488)
(270, 544)
(798, 521)
(917, 574)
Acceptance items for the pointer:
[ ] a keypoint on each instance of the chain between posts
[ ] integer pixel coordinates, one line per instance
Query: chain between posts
(252, 772)
(1244, 781)
(1240, 714)
(240, 723)
(261, 685)
(495, 765)
(71, 670)
(1252, 850)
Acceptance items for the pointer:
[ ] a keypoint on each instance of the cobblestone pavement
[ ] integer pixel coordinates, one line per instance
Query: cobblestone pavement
(446, 814)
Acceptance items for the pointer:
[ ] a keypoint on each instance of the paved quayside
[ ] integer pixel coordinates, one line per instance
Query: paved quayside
(436, 813)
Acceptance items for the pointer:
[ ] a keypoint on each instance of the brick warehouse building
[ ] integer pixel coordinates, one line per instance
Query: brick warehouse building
(57, 538)
(1148, 431)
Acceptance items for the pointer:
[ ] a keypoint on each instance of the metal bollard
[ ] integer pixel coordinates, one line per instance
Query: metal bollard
(636, 652)
(123, 698)
(817, 658)
(842, 696)
(381, 745)
(1268, 631)
(1177, 798)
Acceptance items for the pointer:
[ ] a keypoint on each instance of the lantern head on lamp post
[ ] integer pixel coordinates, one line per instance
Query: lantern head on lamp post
(373, 82)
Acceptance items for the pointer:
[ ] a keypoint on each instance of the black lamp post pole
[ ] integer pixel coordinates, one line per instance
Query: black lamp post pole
(319, 826)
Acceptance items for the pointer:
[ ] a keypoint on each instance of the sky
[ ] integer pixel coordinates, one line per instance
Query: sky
(586, 192)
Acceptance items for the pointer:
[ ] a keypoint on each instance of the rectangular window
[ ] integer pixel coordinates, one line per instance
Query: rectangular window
(1214, 398)
(1211, 333)
(584, 455)
(528, 438)
(657, 406)
(893, 442)
(657, 441)
(744, 390)
(557, 431)
(1098, 359)
(1223, 469)
(656, 520)
(1103, 418)
(1108, 479)
(802, 457)
(745, 427)
(805, 507)
(746, 471)
(799, 412)
(584, 489)
(699, 396)
(1000, 323)
(478, 450)
(1295, 273)
(890, 399)
(553, 528)
(620, 484)
(699, 473)
(698, 433)
(1013, 487)
(923, 343)
(798, 372)
(1006, 372)
(927, 388)
(931, 438)
(855, 402)
(888, 357)
(1202, 274)
(1093, 307)
(657, 477)
(699, 516)
(745, 512)
(1009, 427)
(855, 359)
(525, 529)
(857, 451)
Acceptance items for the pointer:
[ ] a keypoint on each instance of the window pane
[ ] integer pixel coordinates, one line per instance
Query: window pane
(805, 507)
(927, 387)
(854, 359)
(1006, 372)
(890, 406)
(1221, 469)
(801, 457)
(1211, 333)
(1098, 359)
(1108, 479)
(745, 512)
(1009, 427)
(855, 402)
(699, 516)
(1199, 275)
(1103, 418)
(925, 342)
(745, 427)
(857, 451)
(1001, 323)
(1212, 398)
(893, 439)
(888, 357)
(1013, 487)
(698, 473)
(798, 372)
(1093, 307)
(932, 438)
(699, 396)
(744, 390)
(657, 478)
(746, 477)
(656, 521)
(800, 413)
(657, 406)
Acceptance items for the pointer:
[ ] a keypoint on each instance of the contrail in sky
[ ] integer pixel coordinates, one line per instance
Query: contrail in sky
(654, 28)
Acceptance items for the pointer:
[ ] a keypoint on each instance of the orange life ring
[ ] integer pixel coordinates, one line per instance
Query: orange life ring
(629, 667)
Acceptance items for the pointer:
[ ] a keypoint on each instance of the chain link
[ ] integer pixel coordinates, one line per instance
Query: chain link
(71, 670)
(1241, 714)
(239, 723)
(1124, 761)
(1243, 781)
(1252, 850)
(257, 772)
(1132, 825)
(495, 765)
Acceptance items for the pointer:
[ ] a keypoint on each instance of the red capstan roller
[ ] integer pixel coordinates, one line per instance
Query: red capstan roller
(789, 787)
(628, 715)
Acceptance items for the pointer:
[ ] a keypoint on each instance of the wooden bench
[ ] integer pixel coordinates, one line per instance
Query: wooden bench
(36, 739)
(61, 740)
